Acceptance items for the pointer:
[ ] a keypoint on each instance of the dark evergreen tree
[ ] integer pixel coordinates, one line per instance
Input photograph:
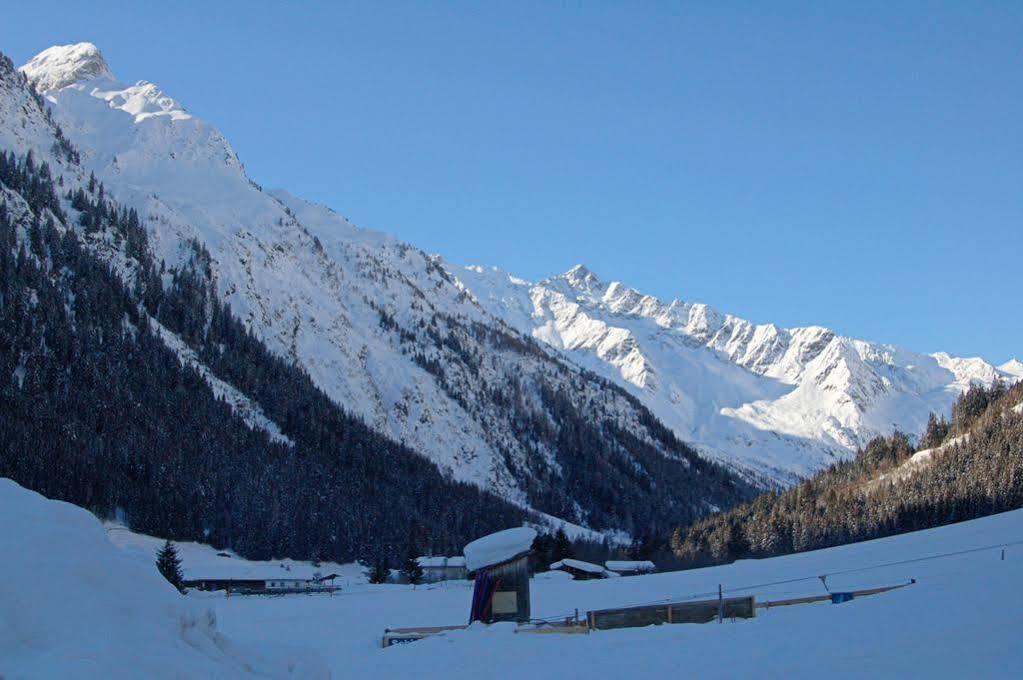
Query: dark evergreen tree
(540, 555)
(561, 547)
(411, 569)
(169, 564)
(380, 572)
(936, 432)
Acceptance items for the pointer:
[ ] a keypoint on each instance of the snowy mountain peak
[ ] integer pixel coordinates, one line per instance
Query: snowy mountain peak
(1013, 367)
(582, 280)
(63, 65)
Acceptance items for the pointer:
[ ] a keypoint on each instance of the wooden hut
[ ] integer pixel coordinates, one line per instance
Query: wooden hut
(499, 563)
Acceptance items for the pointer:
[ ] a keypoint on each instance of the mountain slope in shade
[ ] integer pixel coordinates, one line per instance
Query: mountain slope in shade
(780, 402)
(382, 328)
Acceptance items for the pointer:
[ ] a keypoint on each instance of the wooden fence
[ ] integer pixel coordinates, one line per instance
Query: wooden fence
(702, 611)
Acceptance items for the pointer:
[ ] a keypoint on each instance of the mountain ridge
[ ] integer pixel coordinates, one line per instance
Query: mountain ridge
(786, 373)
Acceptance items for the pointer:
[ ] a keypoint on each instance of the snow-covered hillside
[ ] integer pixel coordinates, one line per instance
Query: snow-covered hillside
(199, 560)
(73, 605)
(961, 617)
(781, 402)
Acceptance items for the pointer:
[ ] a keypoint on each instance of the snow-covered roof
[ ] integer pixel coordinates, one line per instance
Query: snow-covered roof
(245, 572)
(630, 565)
(578, 565)
(497, 548)
(435, 562)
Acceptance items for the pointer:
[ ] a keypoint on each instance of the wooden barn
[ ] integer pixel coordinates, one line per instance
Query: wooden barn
(499, 564)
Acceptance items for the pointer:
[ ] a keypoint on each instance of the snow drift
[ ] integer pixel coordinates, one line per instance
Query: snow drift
(72, 605)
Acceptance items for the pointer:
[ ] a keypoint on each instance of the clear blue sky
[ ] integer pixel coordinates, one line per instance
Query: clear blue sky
(859, 167)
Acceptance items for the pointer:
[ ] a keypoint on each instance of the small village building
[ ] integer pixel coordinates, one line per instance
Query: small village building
(499, 564)
(249, 582)
(582, 571)
(631, 567)
(442, 568)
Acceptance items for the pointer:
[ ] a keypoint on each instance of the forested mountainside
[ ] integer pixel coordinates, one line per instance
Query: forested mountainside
(168, 409)
(971, 466)
(99, 410)
(779, 403)
(377, 325)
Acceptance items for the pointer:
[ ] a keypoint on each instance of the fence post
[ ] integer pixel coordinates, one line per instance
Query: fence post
(721, 605)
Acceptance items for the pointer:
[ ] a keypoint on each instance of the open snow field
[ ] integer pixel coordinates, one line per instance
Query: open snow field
(964, 616)
(81, 600)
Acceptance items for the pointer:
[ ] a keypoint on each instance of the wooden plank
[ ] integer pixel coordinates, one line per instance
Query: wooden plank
(425, 629)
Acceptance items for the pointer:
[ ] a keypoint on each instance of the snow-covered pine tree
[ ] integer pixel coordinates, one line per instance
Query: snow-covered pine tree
(169, 564)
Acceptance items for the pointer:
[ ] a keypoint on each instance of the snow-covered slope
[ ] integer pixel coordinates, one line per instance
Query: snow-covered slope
(782, 402)
(72, 605)
(381, 327)
(199, 560)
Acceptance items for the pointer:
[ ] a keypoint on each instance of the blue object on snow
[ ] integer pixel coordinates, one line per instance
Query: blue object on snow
(839, 598)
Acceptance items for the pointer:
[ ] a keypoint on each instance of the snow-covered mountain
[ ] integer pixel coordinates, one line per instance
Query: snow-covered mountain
(382, 328)
(443, 359)
(780, 402)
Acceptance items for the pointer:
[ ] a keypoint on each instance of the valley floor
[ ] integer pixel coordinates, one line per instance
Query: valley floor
(963, 616)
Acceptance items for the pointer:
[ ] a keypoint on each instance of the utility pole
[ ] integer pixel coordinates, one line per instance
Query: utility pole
(721, 604)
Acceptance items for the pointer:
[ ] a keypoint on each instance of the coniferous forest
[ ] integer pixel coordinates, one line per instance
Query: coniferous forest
(975, 469)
